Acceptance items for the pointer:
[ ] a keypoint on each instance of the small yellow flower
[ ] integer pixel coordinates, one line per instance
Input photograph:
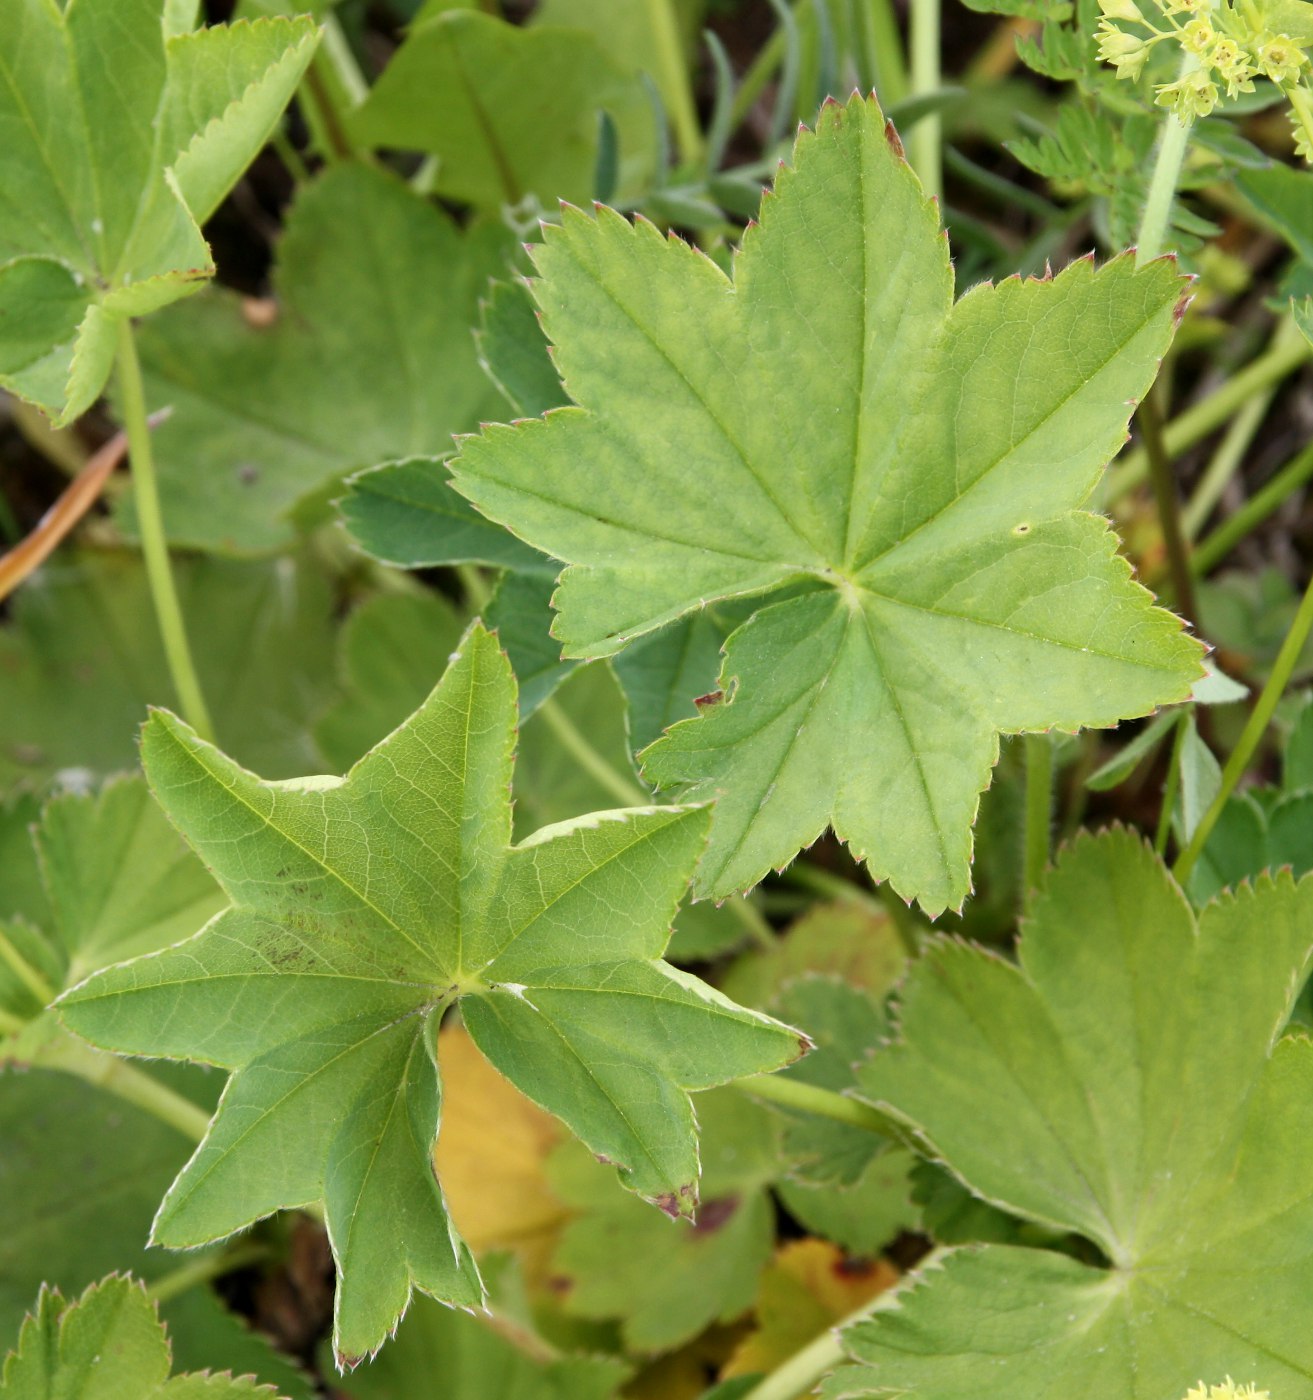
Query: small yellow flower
(1194, 95)
(1280, 58)
(1198, 36)
(1228, 1390)
(1125, 10)
(1233, 66)
(1126, 52)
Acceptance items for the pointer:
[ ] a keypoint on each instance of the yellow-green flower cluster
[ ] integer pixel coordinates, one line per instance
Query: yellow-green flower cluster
(1225, 45)
(1228, 1390)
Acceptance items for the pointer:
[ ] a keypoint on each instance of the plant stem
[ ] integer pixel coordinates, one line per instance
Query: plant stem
(1254, 729)
(121, 1077)
(207, 1267)
(154, 546)
(11, 958)
(798, 1375)
(1225, 462)
(1169, 788)
(672, 74)
(1154, 221)
(1215, 547)
(926, 138)
(823, 1103)
(1039, 812)
(1209, 414)
(1169, 507)
(625, 790)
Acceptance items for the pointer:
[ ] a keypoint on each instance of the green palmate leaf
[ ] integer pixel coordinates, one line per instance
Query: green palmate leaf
(803, 423)
(440, 1346)
(81, 660)
(362, 908)
(99, 218)
(1128, 1082)
(374, 285)
(509, 111)
(118, 882)
(107, 1345)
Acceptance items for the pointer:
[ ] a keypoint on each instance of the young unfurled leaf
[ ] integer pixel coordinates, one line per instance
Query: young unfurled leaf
(101, 212)
(830, 417)
(107, 1345)
(265, 416)
(1127, 1081)
(362, 908)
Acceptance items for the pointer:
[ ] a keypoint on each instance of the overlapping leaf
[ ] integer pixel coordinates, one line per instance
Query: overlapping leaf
(106, 1345)
(362, 908)
(81, 659)
(100, 215)
(470, 89)
(117, 882)
(831, 417)
(371, 356)
(1129, 1082)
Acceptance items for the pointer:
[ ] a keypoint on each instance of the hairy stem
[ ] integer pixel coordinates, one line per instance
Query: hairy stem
(122, 1078)
(926, 138)
(1252, 734)
(1155, 218)
(154, 546)
(823, 1103)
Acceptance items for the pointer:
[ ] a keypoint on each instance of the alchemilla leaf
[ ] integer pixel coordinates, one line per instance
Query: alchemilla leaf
(831, 418)
(100, 216)
(1129, 1081)
(362, 908)
(108, 1344)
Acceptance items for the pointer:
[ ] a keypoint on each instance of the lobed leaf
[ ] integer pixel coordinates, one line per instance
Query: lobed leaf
(362, 908)
(1128, 1081)
(100, 217)
(906, 476)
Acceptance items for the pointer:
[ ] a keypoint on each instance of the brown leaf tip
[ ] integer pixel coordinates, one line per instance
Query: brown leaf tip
(895, 141)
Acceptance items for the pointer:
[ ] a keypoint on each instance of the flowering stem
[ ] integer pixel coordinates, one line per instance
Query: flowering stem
(1172, 146)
